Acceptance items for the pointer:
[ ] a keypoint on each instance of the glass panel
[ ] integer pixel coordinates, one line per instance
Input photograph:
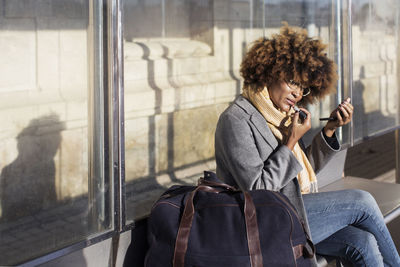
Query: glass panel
(46, 66)
(181, 71)
(375, 31)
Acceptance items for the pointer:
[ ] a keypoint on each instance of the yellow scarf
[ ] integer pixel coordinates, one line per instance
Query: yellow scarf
(279, 123)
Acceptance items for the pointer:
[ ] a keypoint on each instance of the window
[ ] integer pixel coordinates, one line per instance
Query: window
(51, 194)
(375, 48)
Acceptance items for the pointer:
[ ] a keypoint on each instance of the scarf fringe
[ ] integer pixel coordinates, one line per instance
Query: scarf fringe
(313, 188)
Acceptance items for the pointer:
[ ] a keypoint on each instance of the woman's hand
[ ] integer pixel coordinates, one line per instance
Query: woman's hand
(343, 114)
(298, 129)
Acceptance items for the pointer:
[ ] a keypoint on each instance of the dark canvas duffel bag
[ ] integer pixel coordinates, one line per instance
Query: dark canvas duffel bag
(215, 224)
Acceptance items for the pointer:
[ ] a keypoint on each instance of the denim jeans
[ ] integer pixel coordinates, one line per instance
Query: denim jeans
(349, 224)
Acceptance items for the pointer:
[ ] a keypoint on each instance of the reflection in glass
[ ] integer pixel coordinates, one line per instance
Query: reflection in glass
(44, 202)
(375, 31)
(32, 173)
(181, 71)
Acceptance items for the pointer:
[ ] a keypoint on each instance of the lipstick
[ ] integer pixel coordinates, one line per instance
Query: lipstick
(302, 114)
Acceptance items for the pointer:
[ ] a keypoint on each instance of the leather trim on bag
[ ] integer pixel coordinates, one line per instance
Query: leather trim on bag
(298, 251)
(253, 236)
(182, 238)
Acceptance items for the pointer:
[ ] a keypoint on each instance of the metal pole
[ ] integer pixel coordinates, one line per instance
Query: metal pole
(116, 109)
(350, 61)
(263, 12)
(251, 16)
(339, 56)
(163, 18)
(396, 133)
(397, 148)
(99, 218)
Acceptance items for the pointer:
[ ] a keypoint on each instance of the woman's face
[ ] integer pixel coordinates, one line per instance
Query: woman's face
(284, 96)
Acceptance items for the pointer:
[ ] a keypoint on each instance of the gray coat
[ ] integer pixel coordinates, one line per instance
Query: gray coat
(248, 155)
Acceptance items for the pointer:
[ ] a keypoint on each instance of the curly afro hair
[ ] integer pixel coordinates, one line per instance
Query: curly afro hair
(290, 55)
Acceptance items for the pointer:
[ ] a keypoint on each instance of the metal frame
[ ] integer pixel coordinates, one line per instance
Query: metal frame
(397, 133)
(69, 249)
(350, 60)
(339, 55)
(116, 110)
(96, 128)
(397, 152)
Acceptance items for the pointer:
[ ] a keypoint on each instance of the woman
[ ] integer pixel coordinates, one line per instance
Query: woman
(257, 147)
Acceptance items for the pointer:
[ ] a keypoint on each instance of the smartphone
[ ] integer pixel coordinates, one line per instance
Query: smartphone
(334, 118)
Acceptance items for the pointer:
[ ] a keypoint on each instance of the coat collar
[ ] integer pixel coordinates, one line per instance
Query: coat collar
(258, 120)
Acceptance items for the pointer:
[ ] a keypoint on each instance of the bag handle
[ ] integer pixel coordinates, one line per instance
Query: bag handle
(253, 237)
(227, 187)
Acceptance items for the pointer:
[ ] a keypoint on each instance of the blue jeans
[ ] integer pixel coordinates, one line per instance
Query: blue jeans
(349, 224)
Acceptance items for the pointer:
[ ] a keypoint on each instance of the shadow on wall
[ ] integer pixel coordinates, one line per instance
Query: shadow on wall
(29, 201)
(27, 185)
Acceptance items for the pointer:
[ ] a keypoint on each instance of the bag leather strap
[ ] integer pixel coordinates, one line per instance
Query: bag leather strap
(309, 249)
(253, 236)
(203, 181)
(185, 225)
(306, 251)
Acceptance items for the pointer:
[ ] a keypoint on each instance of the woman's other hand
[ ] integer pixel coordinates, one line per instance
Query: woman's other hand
(298, 129)
(343, 114)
